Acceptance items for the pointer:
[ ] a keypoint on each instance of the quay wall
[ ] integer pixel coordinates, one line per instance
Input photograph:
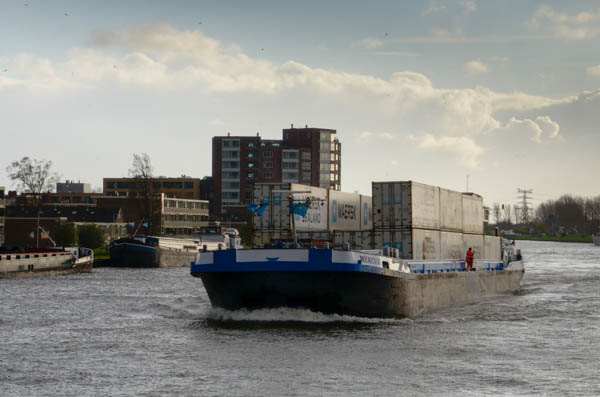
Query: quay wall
(172, 258)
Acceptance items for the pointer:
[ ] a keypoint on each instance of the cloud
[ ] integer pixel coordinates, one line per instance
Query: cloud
(397, 54)
(164, 59)
(367, 136)
(473, 67)
(593, 71)
(585, 25)
(216, 122)
(540, 127)
(370, 43)
(465, 148)
(434, 7)
(468, 5)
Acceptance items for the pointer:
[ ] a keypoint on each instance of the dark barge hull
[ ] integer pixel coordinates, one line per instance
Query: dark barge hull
(325, 292)
(133, 255)
(359, 294)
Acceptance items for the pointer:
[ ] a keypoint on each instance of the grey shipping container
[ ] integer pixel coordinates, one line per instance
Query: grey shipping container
(472, 213)
(452, 245)
(451, 210)
(413, 243)
(405, 205)
(492, 247)
(359, 239)
(474, 241)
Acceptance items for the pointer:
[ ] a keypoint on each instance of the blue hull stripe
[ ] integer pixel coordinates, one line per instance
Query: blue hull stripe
(284, 267)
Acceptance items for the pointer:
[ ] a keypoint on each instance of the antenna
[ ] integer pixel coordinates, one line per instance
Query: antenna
(468, 181)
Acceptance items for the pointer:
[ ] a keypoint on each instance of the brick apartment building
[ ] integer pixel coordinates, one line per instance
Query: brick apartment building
(310, 156)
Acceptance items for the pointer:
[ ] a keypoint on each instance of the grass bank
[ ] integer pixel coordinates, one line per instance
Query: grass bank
(101, 253)
(564, 239)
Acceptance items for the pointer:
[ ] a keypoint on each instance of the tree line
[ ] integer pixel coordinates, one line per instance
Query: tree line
(566, 215)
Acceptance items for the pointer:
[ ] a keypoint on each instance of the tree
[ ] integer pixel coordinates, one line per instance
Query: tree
(90, 236)
(142, 174)
(65, 235)
(35, 177)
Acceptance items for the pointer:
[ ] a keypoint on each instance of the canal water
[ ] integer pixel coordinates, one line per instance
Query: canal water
(152, 332)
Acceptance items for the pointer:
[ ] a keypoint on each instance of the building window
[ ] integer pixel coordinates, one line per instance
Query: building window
(306, 166)
(110, 184)
(267, 175)
(268, 154)
(231, 164)
(231, 143)
(306, 156)
(230, 185)
(231, 154)
(251, 165)
(252, 155)
(290, 154)
(230, 175)
(230, 195)
(289, 175)
(306, 176)
(268, 164)
(289, 165)
(188, 185)
(252, 175)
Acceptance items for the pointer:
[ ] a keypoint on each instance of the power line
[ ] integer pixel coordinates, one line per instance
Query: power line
(525, 204)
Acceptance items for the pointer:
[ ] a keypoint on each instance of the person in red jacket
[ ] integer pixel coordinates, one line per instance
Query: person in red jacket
(469, 259)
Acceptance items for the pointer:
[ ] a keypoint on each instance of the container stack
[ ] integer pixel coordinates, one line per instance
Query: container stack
(428, 222)
(333, 217)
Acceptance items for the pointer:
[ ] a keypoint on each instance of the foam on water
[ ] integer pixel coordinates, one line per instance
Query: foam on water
(285, 314)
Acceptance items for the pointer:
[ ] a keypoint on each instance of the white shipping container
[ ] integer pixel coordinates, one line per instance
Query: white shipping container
(268, 237)
(412, 243)
(366, 213)
(472, 213)
(492, 248)
(405, 205)
(358, 239)
(451, 245)
(316, 216)
(344, 211)
(474, 241)
(451, 212)
(277, 216)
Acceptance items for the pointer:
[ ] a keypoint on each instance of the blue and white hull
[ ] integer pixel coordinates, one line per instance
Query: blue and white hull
(358, 283)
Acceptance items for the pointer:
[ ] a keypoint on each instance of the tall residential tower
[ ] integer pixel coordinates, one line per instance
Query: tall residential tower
(310, 156)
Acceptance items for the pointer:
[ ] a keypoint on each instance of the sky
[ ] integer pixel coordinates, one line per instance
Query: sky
(504, 95)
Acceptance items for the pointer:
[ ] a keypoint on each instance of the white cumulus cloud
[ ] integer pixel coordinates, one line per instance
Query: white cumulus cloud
(540, 127)
(593, 71)
(475, 67)
(465, 148)
(370, 43)
(584, 25)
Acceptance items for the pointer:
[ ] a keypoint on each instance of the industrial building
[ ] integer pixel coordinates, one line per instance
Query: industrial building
(183, 187)
(310, 156)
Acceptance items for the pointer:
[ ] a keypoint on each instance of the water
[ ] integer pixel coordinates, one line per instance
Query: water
(152, 332)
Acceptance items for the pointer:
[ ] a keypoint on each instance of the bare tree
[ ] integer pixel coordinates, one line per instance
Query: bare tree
(142, 174)
(35, 177)
(496, 212)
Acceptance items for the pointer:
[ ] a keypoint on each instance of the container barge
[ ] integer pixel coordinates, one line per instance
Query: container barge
(374, 283)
